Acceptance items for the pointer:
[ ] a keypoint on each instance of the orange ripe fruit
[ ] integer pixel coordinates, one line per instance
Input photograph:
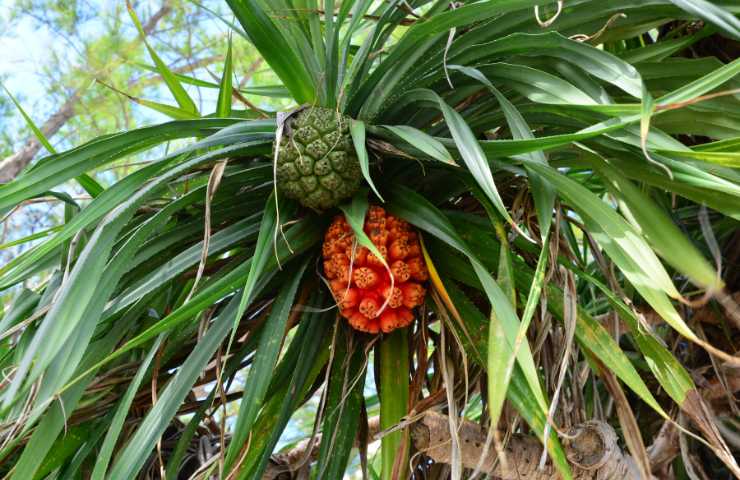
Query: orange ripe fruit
(361, 283)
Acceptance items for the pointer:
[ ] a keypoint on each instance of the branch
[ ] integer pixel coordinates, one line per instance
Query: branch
(190, 67)
(151, 24)
(11, 166)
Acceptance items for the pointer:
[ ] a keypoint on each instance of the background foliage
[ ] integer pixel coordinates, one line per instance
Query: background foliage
(575, 182)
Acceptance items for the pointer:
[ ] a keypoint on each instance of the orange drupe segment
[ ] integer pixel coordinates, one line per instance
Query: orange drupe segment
(359, 280)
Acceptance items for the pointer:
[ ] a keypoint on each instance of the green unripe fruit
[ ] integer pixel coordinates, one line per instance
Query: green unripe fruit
(316, 161)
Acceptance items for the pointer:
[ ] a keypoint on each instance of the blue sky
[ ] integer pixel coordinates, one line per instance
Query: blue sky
(26, 48)
(24, 51)
(21, 50)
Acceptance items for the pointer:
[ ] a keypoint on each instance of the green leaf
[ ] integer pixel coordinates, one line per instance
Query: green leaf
(663, 49)
(394, 393)
(594, 337)
(29, 122)
(262, 252)
(226, 22)
(116, 424)
(223, 105)
(311, 359)
(275, 49)
(726, 159)
(76, 296)
(98, 207)
(672, 376)
(728, 145)
(358, 10)
(710, 192)
(355, 214)
(300, 236)
(175, 462)
(423, 141)
(502, 367)
(181, 96)
(55, 417)
(519, 392)
(14, 270)
(260, 373)
(136, 451)
(702, 85)
(24, 303)
(624, 245)
(542, 191)
(172, 112)
(277, 91)
(56, 169)
(232, 365)
(176, 113)
(343, 402)
(416, 42)
(89, 285)
(90, 185)
(505, 266)
(223, 240)
(592, 60)
(657, 227)
(72, 469)
(64, 448)
(267, 237)
(357, 130)
(332, 30)
(539, 86)
(470, 150)
(410, 206)
(713, 14)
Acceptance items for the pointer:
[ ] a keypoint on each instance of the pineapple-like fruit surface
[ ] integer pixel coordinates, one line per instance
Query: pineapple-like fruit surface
(359, 281)
(316, 162)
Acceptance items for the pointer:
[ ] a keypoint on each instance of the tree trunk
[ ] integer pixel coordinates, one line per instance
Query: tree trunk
(591, 449)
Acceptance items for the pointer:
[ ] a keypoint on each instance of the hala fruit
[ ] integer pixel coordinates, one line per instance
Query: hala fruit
(360, 282)
(316, 162)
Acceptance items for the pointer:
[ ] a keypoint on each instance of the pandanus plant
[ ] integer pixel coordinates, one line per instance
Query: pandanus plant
(513, 212)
